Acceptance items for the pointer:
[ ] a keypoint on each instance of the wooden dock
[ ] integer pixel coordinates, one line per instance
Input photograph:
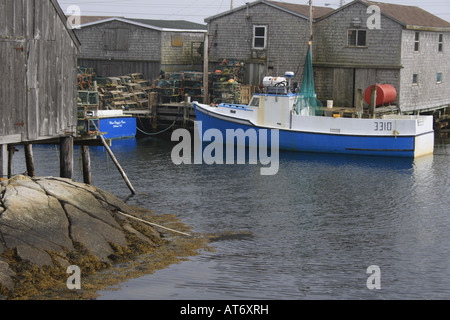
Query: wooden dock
(162, 116)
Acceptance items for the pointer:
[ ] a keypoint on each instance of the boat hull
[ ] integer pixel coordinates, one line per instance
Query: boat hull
(118, 127)
(296, 140)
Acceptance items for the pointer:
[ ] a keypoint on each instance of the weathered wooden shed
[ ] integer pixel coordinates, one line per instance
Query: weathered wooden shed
(119, 46)
(38, 60)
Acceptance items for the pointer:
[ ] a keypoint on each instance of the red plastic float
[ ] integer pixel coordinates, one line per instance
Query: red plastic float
(386, 94)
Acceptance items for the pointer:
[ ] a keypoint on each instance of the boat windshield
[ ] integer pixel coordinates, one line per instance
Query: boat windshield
(254, 102)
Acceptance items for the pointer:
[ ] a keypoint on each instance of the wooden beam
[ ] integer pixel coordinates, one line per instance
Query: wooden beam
(124, 176)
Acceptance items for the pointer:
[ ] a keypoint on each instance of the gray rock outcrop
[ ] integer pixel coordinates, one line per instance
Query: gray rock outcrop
(43, 221)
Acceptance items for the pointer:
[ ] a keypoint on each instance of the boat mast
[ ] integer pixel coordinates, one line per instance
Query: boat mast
(310, 22)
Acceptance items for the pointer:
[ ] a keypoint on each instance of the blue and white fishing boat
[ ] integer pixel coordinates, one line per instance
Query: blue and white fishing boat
(303, 126)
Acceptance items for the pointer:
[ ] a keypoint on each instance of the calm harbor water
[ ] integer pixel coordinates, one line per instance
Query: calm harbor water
(308, 232)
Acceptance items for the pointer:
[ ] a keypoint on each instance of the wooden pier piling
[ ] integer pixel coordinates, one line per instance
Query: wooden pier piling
(66, 157)
(86, 161)
(29, 159)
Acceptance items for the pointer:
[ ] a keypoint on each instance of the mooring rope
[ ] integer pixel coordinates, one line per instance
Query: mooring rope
(162, 131)
(155, 133)
(153, 224)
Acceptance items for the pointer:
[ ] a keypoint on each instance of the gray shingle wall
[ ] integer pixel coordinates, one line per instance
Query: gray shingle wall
(180, 50)
(427, 63)
(231, 37)
(382, 45)
(143, 43)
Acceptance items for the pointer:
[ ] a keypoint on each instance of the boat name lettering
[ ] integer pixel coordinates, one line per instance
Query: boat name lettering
(116, 123)
(383, 126)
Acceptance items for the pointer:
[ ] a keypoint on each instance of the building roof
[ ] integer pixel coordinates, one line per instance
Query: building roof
(411, 17)
(89, 19)
(172, 24)
(160, 25)
(296, 9)
(303, 9)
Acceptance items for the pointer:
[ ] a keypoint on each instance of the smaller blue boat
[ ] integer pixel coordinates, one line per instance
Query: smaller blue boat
(116, 125)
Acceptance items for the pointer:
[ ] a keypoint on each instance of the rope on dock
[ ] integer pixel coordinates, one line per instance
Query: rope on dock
(153, 224)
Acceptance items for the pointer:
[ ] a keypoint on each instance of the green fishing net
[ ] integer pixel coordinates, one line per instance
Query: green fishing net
(306, 102)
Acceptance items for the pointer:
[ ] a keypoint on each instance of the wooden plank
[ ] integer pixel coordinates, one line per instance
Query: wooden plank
(3, 27)
(8, 99)
(363, 79)
(43, 19)
(19, 83)
(29, 19)
(9, 18)
(19, 12)
(3, 89)
(343, 87)
(33, 91)
(43, 94)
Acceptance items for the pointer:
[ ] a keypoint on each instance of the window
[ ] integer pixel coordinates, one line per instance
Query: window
(441, 42)
(416, 41)
(415, 78)
(259, 37)
(356, 38)
(177, 41)
(439, 77)
(254, 102)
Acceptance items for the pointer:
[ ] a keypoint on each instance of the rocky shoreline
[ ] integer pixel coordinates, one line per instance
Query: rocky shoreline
(49, 224)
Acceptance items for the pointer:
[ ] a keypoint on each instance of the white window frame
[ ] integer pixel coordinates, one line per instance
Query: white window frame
(439, 77)
(417, 41)
(357, 31)
(440, 42)
(259, 37)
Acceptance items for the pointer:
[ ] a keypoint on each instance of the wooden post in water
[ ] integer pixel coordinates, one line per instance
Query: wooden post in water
(153, 105)
(29, 159)
(205, 69)
(86, 160)
(11, 151)
(66, 157)
(373, 101)
(186, 110)
(111, 154)
(3, 160)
